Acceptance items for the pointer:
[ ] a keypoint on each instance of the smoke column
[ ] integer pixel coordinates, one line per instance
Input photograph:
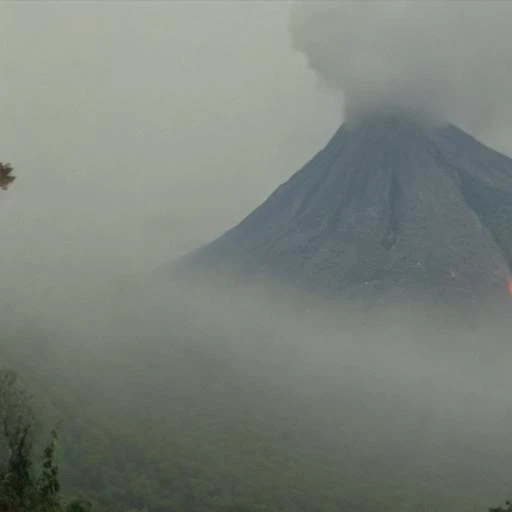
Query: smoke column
(446, 60)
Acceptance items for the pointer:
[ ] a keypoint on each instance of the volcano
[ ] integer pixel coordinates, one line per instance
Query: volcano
(388, 204)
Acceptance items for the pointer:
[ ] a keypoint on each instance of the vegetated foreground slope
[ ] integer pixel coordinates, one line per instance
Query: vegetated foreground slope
(192, 425)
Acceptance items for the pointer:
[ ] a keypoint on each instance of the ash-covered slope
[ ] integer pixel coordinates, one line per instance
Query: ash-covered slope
(388, 203)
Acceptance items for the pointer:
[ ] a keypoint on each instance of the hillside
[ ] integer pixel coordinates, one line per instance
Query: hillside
(179, 426)
(388, 204)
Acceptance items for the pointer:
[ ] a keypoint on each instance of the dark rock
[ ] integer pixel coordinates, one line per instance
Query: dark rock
(388, 204)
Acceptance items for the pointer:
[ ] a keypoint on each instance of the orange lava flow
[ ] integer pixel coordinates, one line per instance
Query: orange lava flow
(509, 286)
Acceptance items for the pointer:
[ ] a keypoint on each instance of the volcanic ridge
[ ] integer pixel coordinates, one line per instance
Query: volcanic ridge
(388, 204)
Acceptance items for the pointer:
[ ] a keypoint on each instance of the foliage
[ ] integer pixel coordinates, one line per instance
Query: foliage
(79, 506)
(506, 508)
(203, 440)
(21, 488)
(48, 483)
(6, 177)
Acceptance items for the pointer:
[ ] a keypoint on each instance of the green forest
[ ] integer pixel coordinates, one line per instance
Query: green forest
(194, 445)
(169, 425)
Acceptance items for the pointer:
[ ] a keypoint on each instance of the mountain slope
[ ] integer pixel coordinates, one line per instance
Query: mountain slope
(388, 203)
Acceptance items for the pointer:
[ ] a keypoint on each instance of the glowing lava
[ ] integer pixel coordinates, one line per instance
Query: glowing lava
(509, 286)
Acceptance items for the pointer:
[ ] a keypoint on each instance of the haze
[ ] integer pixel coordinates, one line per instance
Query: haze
(142, 130)
(139, 131)
(449, 61)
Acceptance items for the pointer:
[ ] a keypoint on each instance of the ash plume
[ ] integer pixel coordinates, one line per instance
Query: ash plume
(441, 60)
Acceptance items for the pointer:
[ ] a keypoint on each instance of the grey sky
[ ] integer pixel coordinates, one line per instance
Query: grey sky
(140, 130)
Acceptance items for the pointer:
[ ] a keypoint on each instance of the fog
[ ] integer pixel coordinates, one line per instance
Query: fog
(133, 149)
(129, 125)
(413, 395)
(139, 131)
